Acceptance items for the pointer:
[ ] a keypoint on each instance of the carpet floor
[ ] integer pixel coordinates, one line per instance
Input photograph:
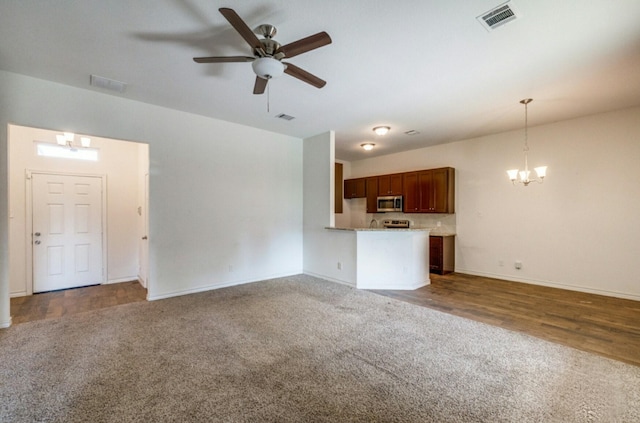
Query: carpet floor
(299, 349)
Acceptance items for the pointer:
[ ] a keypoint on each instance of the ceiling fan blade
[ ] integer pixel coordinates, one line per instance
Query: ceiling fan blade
(242, 28)
(304, 76)
(304, 45)
(260, 85)
(225, 59)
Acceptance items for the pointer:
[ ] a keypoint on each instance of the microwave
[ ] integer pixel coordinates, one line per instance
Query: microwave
(390, 203)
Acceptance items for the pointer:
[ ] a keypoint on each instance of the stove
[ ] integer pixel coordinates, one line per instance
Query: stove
(396, 224)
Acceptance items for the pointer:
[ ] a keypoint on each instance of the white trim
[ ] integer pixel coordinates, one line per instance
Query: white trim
(121, 280)
(29, 220)
(327, 278)
(18, 294)
(552, 284)
(216, 286)
(5, 325)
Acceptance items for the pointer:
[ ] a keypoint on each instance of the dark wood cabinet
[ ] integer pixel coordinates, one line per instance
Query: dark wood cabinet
(429, 191)
(411, 193)
(371, 186)
(441, 254)
(355, 188)
(390, 184)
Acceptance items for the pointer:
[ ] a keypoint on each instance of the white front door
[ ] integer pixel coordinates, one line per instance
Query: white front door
(67, 231)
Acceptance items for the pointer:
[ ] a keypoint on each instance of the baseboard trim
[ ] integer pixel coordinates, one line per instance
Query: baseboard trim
(217, 286)
(327, 278)
(18, 294)
(5, 325)
(604, 292)
(120, 280)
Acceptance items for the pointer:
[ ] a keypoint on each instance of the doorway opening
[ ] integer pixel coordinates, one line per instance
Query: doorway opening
(76, 223)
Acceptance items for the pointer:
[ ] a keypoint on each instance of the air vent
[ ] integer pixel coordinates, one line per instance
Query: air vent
(498, 16)
(285, 117)
(107, 84)
(412, 132)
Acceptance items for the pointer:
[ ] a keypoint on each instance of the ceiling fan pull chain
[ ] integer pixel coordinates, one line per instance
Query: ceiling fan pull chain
(268, 98)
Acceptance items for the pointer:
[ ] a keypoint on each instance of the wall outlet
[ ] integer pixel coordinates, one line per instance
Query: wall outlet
(518, 265)
(339, 266)
(501, 263)
(230, 268)
(439, 224)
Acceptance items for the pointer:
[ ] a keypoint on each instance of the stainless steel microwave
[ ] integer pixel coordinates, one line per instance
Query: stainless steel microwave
(392, 203)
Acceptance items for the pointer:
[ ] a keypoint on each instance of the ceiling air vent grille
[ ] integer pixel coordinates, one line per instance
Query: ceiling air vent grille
(107, 84)
(285, 117)
(498, 16)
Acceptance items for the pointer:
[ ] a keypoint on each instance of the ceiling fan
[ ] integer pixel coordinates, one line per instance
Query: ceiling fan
(268, 53)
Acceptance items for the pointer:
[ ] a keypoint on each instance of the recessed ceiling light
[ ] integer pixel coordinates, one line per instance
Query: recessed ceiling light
(381, 130)
(367, 146)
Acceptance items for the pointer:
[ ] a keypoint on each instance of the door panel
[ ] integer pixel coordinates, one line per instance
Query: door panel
(67, 231)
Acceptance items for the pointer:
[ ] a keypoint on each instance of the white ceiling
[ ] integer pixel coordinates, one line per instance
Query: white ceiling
(424, 65)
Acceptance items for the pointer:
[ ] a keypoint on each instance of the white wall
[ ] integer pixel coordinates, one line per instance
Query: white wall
(118, 162)
(225, 199)
(578, 230)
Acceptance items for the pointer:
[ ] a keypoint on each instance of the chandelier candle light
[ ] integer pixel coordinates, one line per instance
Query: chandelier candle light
(524, 174)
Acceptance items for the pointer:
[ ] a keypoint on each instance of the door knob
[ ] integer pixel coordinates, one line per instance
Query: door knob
(37, 234)
(37, 242)
(144, 237)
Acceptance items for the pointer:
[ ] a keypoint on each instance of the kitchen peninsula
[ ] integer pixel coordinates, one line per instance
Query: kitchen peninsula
(382, 258)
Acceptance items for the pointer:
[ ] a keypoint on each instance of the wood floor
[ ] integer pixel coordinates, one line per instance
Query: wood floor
(593, 323)
(71, 301)
(597, 324)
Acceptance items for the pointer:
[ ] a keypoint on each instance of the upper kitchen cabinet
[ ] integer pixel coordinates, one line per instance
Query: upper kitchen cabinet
(355, 188)
(371, 185)
(390, 184)
(429, 191)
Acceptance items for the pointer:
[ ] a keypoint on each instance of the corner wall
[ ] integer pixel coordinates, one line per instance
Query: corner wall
(579, 230)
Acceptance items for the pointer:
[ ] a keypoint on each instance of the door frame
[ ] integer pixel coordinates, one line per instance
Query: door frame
(29, 220)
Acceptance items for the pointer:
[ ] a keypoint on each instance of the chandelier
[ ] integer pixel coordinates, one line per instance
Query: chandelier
(523, 175)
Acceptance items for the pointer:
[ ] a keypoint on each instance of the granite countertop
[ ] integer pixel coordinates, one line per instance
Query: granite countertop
(433, 231)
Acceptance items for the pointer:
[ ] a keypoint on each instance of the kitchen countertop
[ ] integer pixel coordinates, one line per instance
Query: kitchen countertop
(433, 232)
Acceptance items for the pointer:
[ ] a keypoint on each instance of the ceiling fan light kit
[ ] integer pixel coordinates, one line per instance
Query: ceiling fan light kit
(268, 53)
(268, 67)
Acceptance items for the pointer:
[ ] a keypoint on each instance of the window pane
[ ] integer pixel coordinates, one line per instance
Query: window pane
(51, 150)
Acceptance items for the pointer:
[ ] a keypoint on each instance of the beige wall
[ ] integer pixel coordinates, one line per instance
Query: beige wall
(119, 162)
(578, 230)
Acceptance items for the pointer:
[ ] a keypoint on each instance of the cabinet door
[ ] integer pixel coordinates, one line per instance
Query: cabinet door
(425, 188)
(411, 192)
(396, 184)
(435, 254)
(390, 184)
(355, 188)
(439, 184)
(372, 194)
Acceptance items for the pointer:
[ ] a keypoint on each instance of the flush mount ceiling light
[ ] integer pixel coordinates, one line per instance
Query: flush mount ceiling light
(367, 146)
(524, 174)
(381, 130)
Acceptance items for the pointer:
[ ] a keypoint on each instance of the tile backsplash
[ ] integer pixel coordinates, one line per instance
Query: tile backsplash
(361, 219)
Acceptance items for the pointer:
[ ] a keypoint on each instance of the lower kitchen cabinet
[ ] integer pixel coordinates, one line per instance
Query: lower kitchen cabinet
(441, 254)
